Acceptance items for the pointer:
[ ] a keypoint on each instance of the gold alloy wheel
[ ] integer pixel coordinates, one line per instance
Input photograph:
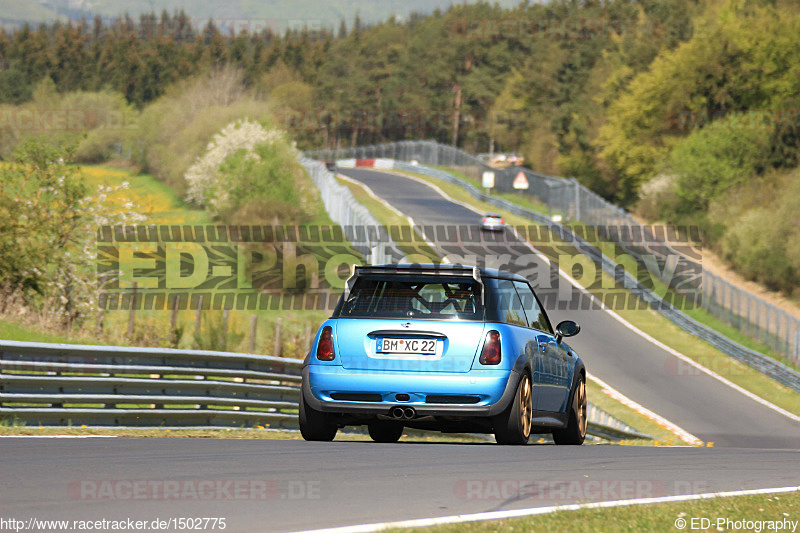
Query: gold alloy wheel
(580, 398)
(525, 406)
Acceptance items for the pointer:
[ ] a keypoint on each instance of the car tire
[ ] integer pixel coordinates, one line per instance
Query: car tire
(315, 425)
(575, 432)
(513, 426)
(385, 431)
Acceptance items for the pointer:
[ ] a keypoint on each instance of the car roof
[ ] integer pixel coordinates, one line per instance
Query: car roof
(438, 268)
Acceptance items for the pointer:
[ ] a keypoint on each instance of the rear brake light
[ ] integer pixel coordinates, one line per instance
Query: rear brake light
(491, 349)
(502, 221)
(484, 219)
(325, 345)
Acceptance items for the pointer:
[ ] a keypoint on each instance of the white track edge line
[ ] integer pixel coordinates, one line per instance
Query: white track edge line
(533, 511)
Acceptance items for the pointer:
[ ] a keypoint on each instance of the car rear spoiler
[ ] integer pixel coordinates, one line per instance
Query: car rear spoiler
(430, 269)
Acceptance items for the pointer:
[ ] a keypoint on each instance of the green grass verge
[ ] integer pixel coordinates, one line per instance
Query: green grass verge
(16, 332)
(664, 330)
(653, 517)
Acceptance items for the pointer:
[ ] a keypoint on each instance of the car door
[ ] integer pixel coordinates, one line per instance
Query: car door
(505, 306)
(552, 379)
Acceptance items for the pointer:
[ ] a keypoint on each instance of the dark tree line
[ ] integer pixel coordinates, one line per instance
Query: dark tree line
(531, 79)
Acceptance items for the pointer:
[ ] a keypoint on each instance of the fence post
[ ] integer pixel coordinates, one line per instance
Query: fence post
(132, 313)
(253, 327)
(777, 326)
(173, 322)
(787, 333)
(749, 323)
(101, 316)
(796, 341)
(198, 315)
(225, 318)
(277, 348)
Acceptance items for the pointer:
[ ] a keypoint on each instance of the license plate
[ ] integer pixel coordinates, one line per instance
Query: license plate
(422, 346)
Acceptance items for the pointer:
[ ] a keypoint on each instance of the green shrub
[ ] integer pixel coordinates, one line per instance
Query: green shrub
(250, 171)
(272, 176)
(762, 235)
(754, 244)
(108, 121)
(724, 154)
(92, 121)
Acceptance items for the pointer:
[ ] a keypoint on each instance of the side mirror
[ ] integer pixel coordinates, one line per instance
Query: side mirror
(567, 328)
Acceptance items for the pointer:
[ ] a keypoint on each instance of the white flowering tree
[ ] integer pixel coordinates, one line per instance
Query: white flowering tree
(209, 184)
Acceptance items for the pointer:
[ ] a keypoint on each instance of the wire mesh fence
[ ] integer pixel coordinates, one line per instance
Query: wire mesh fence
(367, 236)
(742, 310)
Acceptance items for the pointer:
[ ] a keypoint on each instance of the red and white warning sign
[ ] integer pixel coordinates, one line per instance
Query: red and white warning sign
(521, 181)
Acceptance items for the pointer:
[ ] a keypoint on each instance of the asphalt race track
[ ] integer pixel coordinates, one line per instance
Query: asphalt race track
(701, 405)
(317, 485)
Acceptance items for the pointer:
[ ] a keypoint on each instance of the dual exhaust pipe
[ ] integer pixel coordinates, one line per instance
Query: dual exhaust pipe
(402, 413)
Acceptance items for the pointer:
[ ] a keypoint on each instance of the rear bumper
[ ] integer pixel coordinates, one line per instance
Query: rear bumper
(493, 227)
(493, 388)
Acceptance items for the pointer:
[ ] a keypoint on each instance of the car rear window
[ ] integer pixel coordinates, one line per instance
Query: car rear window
(423, 297)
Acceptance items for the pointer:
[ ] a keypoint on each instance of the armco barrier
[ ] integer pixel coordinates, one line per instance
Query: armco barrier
(65, 384)
(59, 384)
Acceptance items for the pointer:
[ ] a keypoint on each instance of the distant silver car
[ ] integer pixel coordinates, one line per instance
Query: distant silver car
(492, 222)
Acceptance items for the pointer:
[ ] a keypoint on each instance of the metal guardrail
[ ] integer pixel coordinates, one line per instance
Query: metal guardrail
(59, 384)
(64, 384)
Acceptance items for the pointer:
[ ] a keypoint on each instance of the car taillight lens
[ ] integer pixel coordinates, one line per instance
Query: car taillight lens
(325, 345)
(491, 349)
(502, 221)
(484, 219)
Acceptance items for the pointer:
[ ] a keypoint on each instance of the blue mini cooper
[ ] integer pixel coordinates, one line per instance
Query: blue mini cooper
(443, 347)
